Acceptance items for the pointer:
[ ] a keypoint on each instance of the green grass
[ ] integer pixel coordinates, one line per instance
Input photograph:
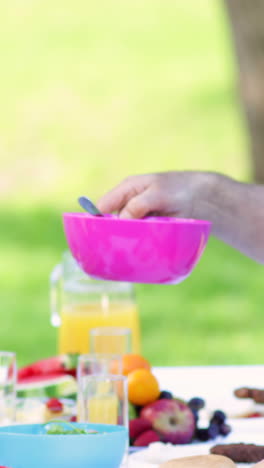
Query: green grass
(91, 92)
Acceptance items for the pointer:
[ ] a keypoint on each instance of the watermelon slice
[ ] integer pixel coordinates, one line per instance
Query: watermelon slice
(52, 377)
(52, 385)
(61, 365)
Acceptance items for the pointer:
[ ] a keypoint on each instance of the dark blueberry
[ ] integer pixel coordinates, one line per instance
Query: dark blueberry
(218, 417)
(225, 429)
(202, 435)
(196, 415)
(213, 430)
(165, 395)
(196, 404)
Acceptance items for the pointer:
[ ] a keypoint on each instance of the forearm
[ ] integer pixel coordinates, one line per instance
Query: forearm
(236, 211)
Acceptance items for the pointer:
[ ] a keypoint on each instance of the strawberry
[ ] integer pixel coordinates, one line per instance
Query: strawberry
(54, 405)
(146, 438)
(137, 426)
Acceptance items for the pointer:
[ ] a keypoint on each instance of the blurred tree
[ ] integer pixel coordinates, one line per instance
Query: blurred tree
(247, 19)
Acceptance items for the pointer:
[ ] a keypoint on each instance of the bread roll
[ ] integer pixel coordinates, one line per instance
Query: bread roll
(201, 461)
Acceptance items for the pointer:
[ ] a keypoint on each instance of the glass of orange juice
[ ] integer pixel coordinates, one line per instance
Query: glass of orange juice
(80, 303)
(103, 399)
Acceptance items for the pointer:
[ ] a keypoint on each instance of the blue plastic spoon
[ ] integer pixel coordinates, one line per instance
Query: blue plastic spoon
(88, 206)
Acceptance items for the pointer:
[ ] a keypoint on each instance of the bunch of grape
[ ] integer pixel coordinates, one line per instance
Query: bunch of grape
(217, 424)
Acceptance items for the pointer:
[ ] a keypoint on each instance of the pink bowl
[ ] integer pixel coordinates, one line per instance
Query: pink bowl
(150, 250)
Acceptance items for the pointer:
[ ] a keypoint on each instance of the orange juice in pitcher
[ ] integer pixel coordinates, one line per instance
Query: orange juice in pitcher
(80, 304)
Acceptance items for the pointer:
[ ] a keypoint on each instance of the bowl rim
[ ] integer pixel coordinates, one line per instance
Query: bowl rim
(151, 219)
(5, 431)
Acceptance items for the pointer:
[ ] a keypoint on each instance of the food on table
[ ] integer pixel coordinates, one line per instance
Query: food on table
(133, 362)
(165, 394)
(196, 404)
(200, 461)
(53, 409)
(137, 427)
(148, 437)
(240, 453)
(58, 428)
(217, 426)
(57, 365)
(48, 386)
(143, 387)
(254, 393)
(173, 420)
(35, 410)
(52, 377)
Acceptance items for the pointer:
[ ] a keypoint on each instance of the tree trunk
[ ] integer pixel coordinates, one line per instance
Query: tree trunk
(247, 19)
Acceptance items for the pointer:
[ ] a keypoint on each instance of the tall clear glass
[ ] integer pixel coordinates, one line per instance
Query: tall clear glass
(89, 364)
(80, 303)
(8, 378)
(103, 399)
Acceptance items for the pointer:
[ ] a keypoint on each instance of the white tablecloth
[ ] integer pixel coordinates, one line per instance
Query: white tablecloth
(216, 385)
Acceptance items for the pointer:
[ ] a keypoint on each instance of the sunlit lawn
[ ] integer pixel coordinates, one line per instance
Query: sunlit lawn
(93, 91)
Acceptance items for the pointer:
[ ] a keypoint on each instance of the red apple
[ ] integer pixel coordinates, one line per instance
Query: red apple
(173, 420)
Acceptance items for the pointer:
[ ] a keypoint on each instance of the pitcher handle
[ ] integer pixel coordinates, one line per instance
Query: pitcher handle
(55, 279)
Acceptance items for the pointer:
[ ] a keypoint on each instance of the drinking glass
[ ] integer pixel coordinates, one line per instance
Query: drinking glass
(115, 340)
(8, 377)
(90, 364)
(103, 399)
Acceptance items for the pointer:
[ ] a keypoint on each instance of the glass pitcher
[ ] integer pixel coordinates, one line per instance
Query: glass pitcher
(80, 303)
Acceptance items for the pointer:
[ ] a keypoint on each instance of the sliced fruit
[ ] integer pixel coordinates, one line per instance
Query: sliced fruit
(51, 386)
(143, 387)
(132, 362)
(60, 365)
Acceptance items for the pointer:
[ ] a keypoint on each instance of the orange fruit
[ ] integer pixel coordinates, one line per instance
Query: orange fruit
(143, 387)
(132, 362)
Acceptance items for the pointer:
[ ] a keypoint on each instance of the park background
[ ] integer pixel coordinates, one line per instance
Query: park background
(90, 93)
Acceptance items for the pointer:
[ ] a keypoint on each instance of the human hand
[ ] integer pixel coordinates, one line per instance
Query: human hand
(162, 194)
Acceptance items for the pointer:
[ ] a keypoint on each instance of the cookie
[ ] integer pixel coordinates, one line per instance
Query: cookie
(200, 461)
(240, 453)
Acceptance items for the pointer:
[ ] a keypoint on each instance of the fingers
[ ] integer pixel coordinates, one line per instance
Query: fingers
(142, 205)
(116, 199)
